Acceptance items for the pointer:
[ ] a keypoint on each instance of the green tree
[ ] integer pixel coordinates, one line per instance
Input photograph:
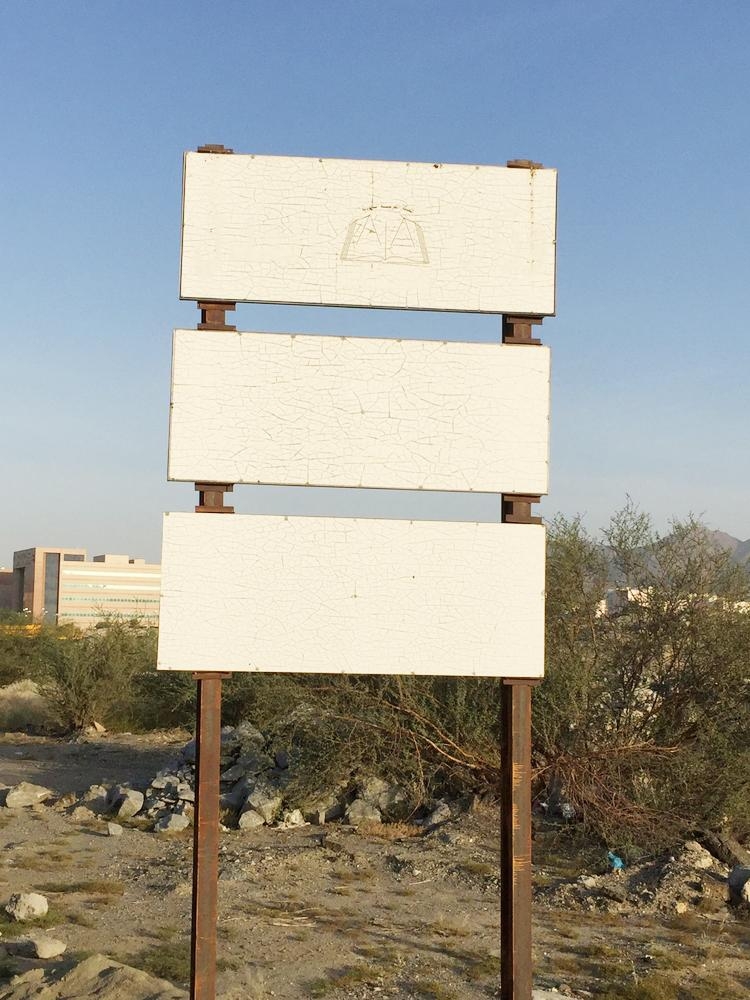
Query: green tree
(89, 676)
(642, 720)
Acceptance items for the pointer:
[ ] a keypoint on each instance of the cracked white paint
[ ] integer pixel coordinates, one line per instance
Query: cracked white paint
(337, 411)
(369, 233)
(320, 594)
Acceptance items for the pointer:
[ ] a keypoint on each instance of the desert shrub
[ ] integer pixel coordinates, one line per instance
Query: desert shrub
(433, 735)
(22, 644)
(642, 720)
(88, 677)
(162, 700)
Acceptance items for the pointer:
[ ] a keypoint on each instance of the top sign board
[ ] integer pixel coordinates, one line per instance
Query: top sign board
(305, 231)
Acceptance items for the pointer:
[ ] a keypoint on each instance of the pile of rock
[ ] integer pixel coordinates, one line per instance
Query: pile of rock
(256, 790)
(688, 879)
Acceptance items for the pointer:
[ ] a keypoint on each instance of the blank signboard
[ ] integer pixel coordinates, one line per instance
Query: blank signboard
(312, 231)
(340, 411)
(328, 595)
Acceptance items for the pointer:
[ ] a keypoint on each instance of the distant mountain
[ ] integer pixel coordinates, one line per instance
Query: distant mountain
(740, 550)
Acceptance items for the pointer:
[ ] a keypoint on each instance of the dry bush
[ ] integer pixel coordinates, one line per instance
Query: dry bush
(389, 831)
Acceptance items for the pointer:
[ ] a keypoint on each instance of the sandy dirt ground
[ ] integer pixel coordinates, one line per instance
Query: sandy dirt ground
(326, 911)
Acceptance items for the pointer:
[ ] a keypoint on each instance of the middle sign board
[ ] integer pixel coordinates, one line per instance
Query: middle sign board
(359, 412)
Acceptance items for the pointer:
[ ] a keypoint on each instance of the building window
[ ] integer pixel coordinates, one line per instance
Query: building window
(51, 585)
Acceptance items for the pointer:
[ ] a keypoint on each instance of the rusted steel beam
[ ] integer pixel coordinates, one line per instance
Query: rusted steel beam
(515, 841)
(211, 498)
(207, 792)
(206, 838)
(516, 508)
(213, 315)
(517, 330)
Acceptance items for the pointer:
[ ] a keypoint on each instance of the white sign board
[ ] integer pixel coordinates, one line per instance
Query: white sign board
(328, 595)
(311, 231)
(358, 412)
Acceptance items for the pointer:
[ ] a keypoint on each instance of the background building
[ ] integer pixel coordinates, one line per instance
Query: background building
(61, 586)
(7, 589)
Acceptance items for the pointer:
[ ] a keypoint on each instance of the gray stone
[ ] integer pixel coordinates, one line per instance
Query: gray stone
(43, 946)
(185, 793)
(292, 819)
(739, 885)
(385, 796)
(25, 794)
(236, 797)
(440, 814)
(114, 830)
(726, 849)
(322, 810)
(265, 799)
(83, 815)
(233, 774)
(360, 811)
(281, 759)
(26, 906)
(125, 802)
(696, 856)
(370, 789)
(254, 762)
(96, 798)
(166, 780)
(250, 819)
(617, 893)
(172, 823)
(248, 735)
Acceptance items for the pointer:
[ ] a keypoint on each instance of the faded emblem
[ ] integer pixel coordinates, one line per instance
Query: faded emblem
(385, 234)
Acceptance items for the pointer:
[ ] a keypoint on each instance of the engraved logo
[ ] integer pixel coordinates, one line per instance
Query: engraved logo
(385, 234)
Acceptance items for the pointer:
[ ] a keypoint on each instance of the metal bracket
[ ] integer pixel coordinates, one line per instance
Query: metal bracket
(517, 329)
(517, 508)
(213, 315)
(214, 148)
(211, 498)
(524, 164)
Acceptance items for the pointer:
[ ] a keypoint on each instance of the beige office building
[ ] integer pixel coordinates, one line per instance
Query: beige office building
(62, 586)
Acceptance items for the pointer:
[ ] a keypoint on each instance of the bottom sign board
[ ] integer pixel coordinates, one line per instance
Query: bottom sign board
(351, 595)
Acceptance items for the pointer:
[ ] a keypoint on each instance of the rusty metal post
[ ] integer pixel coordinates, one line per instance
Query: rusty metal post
(206, 838)
(207, 748)
(516, 974)
(515, 841)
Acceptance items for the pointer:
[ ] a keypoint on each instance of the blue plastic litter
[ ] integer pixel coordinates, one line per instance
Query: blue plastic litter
(616, 861)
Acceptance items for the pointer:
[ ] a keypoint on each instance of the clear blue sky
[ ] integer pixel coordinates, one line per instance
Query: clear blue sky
(642, 106)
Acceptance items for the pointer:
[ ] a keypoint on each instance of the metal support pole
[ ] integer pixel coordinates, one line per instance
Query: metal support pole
(207, 748)
(206, 838)
(515, 841)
